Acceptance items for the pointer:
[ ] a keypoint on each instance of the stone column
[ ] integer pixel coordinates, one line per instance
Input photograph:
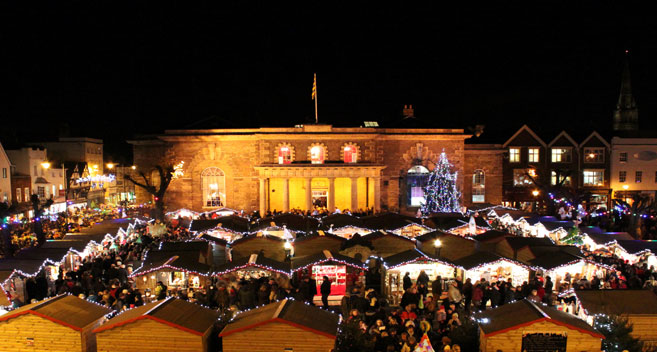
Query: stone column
(263, 197)
(331, 194)
(309, 194)
(286, 194)
(354, 194)
(377, 193)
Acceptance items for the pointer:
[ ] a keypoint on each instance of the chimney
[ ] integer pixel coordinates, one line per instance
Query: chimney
(408, 111)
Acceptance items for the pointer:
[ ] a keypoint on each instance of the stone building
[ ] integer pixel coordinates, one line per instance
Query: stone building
(315, 165)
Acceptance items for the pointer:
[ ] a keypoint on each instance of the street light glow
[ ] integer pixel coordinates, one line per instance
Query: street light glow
(45, 165)
(437, 242)
(287, 245)
(110, 165)
(535, 193)
(626, 186)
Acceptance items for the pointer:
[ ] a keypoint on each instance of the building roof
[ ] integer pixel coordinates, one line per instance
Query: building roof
(66, 310)
(294, 313)
(517, 242)
(618, 301)
(293, 222)
(27, 266)
(524, 313)
(183, 260)
(325, 257)
(636, 246)
(607, 237)
(233, 223)
(254, 260)
(413, 255)
(491, 235)
(388, 221)
(549, 261)
(174, 312)
(340, 220)
(477, 259)
(446, 221)
(317, 235)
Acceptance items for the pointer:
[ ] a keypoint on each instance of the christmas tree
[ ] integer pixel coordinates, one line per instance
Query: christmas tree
(440, 193)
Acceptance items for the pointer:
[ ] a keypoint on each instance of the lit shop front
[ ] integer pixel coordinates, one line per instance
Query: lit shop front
(254, 266)
(337, 274)
(342, 271)
(499, 270)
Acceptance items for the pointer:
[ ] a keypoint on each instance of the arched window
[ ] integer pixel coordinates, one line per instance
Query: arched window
(478, 186)
(416, 180)
(350, 153)
(284, 155)
(317, 154)
(213, 184)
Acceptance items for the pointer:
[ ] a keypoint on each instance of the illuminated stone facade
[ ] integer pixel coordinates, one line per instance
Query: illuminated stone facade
(302, 167)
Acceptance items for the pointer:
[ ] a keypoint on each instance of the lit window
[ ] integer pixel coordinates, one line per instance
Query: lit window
(514, 155)
(532, 155)
(593, 177)
(622, 157)
(19, 197)
(317, 154)
(213, 183)
(4, 172)
(350, 153)
(561, 155)
(416, 180)
(638, 176)
(622, 176)
(556, 178)
(27, 194)
(523, 177)
(285, 155)
(594, 155)
(478, 186)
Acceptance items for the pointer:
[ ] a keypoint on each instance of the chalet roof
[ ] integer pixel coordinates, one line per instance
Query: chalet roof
(185, 260)
(517, 242)
(388, 221)
(636, 246)
(325, 257)
(607, 237)
(491, 235)
(618, 301)
(66, 310)
(438, 234)
(294, 222)
(591, 229)
(297, 314)
(75, 244)
(413, 255)
(316, 236)
(41, 254)
(239, 241)
(340, 220)
(523, 313)
(185, 246)
(452, 220)
(377, 235)
(27, 266)
(231, 222)
(254, 260)
(554, 225)
(216, 240)
(171, 311)
(549, 261)
(477, 259)
(357, 240)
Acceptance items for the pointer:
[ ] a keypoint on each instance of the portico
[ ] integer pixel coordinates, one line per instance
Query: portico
(339, 186)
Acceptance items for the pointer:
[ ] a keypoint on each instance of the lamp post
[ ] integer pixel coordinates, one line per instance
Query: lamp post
(535, 193)
(438, 244)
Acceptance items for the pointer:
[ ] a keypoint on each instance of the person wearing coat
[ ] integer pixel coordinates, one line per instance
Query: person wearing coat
(407, 281)
(454, 294)
(325, 290)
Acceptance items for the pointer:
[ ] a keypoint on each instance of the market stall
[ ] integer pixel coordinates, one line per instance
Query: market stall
(413, 262)
(253, 266)
(560, 265)
(338, 268)
(174, 271)
(493, 268)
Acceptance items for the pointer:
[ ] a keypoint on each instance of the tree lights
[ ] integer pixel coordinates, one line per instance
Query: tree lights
(441, 194)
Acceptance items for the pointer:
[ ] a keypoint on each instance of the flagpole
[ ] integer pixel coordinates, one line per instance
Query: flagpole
(316, 119)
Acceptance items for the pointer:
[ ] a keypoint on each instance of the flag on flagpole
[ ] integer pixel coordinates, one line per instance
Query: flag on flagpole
(314, 87)
(424, 345)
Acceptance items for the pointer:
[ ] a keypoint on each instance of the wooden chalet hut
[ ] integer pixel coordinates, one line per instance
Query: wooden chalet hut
(493, 267)
(228, 228)
(343, 225)
(638, 306)
(449, 245)
(458, 224)
(286, 325)
(176, 264)
(254, 266)
(391, 222)
(61, 323)
(270, 246)
(386, 243)
(5, 296)
(276, 225)
(343, 271)
(560, 264)
(527, 326)
(19, 271)
(315, 243)
(413, 262)
(170, 324)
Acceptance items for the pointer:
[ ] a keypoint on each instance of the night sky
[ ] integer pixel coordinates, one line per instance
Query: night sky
(112, 70)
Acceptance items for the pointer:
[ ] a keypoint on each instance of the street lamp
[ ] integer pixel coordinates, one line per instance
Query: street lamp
(535, 193)
(110, 165)
(288, 249)
(437, 244)
(45, 165)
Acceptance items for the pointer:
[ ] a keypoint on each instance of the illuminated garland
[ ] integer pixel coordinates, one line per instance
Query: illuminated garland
(322, 261)
(423, 257)
(167, 266)
(247, 265)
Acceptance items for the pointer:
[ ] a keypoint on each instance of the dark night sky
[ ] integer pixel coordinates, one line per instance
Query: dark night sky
(112, 69)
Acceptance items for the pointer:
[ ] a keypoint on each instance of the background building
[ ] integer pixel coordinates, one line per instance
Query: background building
(312, 165)
(5, 177)
(633, 166)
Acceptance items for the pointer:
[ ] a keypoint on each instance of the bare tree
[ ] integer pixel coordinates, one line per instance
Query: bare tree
(157, 190)
(5, 211)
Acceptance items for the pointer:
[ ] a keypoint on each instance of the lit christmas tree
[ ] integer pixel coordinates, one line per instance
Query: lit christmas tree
(440, 193)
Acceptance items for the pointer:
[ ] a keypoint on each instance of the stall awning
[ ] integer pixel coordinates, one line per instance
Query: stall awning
(326, 257)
